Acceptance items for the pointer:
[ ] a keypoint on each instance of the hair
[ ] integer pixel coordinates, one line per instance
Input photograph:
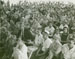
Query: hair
(67, 29)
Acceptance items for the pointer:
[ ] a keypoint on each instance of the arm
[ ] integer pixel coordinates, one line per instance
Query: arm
(43, 52)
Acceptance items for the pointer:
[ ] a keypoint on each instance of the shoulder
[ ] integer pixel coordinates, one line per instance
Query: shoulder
(47, 27)
(49, 40)
(53, 28)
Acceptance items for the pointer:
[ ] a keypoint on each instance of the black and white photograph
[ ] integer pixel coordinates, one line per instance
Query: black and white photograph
(37, 29)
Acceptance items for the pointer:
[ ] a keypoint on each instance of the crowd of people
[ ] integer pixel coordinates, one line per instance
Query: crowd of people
(37, 30)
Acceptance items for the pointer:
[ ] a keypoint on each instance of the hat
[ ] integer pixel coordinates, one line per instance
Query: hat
(46, 31)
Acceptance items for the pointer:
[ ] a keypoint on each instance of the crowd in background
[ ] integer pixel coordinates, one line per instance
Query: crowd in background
(49, 28)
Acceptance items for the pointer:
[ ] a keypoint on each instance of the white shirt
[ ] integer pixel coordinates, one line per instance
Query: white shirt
(39, 39)
(46, 44)
(65, 51)
(58, 37)
(50, 30)
(72, 53)
(20, 53)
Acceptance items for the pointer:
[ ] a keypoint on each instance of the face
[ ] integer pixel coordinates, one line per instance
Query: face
(74, 34)
(57, 31)
(50, 24)
(65, 30)
(38, 31)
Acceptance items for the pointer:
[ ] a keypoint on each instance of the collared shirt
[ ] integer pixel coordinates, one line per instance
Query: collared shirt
(46, 44)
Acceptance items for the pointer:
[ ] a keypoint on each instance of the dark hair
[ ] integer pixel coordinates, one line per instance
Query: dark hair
(2, 2)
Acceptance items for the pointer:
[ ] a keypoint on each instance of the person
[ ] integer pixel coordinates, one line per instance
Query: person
(50, 29)
(74, 35)
(72, 52)
(47, 41)
(68, 50)
(39, 37)
(65, 49)
(64, 35)
(55, 49)
(62, 25)
(57, 34)
(71, 36)
(42, 53)
(38, 41)
(20, 51)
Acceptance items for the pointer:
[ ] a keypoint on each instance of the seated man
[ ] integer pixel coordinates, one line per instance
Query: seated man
(42, 53)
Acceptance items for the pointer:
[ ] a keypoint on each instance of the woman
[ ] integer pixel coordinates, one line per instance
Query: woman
(64, 35)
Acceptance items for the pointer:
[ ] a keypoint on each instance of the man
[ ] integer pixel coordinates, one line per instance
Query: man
(62, 25)
(42, 53)
(39, 37)
(47, 41)
(50, 29)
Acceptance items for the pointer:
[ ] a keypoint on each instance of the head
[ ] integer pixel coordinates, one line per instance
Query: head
(57, 31)
(45, 35)
(65, 30)
(50, 24)
(70, 44)
(20, 43)
(64, 22)
(38, 30)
